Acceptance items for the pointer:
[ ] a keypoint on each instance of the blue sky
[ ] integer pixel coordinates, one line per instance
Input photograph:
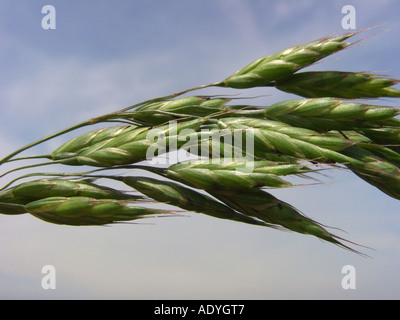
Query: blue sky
(106, 55)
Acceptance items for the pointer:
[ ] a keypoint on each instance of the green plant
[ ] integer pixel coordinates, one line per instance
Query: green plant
(326, 128)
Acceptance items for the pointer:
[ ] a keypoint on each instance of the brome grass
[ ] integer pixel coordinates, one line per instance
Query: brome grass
(327, 127)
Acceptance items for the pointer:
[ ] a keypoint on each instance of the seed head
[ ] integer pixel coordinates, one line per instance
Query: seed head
(89, 139)
(231, 174)
(264, 206)
(88, 211)
(265, 71)
(169, 110)
(129, 147)
(45, 188)
(185, 198)
(346, 85)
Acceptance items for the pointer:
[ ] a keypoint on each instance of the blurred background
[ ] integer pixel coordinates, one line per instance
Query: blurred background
(104, 55)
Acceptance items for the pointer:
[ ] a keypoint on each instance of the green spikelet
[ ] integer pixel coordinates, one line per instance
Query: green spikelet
(326, 114)
(346, 85)
(389, 136)
(233, 174)
(266, 70)
(264, 206)
(301, 146)
(376, 170)
(193, 106)
(331, 108)
(185, 198)
(45, 188)
(80, 211)
(130, 147)
(89, 139)
(331, 141)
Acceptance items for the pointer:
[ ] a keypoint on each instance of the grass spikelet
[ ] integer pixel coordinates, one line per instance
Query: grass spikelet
(276, 142)
(264, 206)
(45, 188)
(185, 198)
(346, 85)
(130, 147)
(91, 138)
(331, 108)
(332, 141)
(233, 174)
(281, 65)
(389, 136)
(173, 109)
(79, 211)
(375, 170)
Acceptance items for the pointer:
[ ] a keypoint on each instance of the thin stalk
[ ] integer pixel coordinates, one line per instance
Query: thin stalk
(31, 166)
(39, 156)
(159, 171)
(59, 133)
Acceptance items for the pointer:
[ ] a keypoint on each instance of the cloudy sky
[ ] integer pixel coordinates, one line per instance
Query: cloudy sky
(105, 55)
